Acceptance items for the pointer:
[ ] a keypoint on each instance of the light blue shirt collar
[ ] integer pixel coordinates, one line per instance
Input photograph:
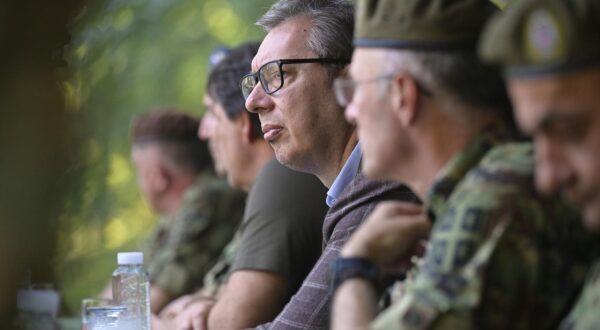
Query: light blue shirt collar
(346, 175)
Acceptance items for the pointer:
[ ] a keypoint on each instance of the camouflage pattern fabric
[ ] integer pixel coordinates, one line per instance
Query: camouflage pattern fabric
(218, 275)
(499, 256)
(586, 314)
(183, 247)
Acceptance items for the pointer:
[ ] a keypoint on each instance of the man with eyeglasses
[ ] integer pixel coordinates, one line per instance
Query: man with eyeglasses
(431, 114)
(308, 44)
(279, 238)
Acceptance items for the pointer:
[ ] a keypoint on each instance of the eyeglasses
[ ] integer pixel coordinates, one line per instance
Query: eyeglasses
(270, 75)
(344, 88)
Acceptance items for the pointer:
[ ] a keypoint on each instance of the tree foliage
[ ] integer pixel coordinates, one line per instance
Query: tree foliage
(126, 57)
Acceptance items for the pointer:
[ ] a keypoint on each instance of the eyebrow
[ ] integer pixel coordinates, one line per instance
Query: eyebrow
(554, 115)
(254, 64)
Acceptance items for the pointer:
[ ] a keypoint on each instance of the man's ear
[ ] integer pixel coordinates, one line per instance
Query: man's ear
(345, 72)
(405, 99)
(160, 178)
(246, 127)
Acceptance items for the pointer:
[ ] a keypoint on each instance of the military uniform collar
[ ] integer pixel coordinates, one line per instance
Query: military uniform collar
(460, 164)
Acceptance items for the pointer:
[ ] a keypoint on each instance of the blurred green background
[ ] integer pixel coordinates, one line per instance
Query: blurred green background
(126, 57)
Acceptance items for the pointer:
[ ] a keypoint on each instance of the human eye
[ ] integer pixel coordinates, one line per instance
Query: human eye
(272, 72)
(569, 129)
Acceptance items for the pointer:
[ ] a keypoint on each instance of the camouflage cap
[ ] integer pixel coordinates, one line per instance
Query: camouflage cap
(536, 37)
(421, 24)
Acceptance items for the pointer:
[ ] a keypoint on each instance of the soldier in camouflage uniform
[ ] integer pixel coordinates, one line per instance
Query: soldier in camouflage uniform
(550, 50)
(184, 246)
(429, 113)
(216, 277)
(199, 213)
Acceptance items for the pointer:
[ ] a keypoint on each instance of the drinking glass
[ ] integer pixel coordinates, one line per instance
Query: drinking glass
(107, 318)
(88, 303)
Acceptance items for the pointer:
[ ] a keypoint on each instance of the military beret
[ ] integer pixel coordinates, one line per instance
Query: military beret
(421, 24)
(538, 37)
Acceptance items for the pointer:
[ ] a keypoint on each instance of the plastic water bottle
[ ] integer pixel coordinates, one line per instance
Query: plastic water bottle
(131, 289)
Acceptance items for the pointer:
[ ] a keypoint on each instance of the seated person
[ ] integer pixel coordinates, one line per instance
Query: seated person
(500, 255)
(280, 237)
(307, 45)
(199, 212)
(557, 103)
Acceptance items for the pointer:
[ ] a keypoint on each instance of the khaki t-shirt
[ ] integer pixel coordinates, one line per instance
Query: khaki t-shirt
(282, 227)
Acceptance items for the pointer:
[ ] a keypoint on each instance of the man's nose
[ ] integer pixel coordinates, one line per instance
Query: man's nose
(257, 101)
(552, 171)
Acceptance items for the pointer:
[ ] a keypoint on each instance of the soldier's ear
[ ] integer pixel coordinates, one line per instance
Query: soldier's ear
(404, 98)
(160, 178)
(246, 128)
(343, 73)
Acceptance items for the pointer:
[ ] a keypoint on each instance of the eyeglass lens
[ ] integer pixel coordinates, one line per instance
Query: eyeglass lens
(269, 75)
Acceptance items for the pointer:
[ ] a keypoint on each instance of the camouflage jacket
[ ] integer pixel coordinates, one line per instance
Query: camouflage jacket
(217, 276)
(586, 313)
(184, 246)
(499, 255)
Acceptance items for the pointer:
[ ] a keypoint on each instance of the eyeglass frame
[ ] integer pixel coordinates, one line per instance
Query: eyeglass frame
(338, 82)
(280, 63)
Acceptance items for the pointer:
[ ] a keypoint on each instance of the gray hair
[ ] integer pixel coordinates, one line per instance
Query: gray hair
(333, 24)
(457, 76)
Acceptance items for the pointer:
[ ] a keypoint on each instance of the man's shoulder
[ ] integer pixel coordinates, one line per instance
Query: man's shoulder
(498, 193)
(210, 188)
(503, 178)
(514, 159)
(585, 313)
(359, 199)
(505, 164)
(158, 237)
(363, 191)
(502, 186)
(273, 174)
(210, 199)
(280, 188)
(362, 188)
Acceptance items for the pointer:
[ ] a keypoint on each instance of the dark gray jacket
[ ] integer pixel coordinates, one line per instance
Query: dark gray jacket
(310, 307)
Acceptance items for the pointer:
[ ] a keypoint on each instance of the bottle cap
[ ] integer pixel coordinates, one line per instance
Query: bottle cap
(130, 258)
